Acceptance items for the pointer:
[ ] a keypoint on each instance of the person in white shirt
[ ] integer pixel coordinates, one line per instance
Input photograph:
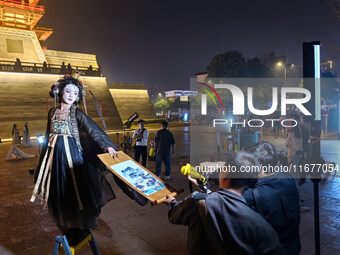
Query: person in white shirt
(141, 146)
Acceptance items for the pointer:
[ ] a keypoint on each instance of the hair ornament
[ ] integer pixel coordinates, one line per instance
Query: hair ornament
(85, 90)
(56, 88)
(75, 74)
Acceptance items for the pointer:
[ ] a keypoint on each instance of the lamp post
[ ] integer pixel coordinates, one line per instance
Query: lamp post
(285, 70)
(311, 75)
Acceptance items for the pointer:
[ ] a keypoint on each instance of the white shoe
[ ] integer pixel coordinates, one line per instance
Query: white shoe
(167, 177)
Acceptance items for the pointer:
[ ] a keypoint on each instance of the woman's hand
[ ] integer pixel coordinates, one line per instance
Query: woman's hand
(112, 152)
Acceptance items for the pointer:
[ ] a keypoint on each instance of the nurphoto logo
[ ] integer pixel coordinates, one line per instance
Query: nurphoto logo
(239, 105)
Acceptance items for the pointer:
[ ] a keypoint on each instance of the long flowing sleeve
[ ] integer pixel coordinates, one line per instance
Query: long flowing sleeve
(103, 141)
(94, 131)
(45, 144)
(94, 141)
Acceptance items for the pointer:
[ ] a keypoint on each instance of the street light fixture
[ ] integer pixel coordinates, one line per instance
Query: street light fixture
(285, 69)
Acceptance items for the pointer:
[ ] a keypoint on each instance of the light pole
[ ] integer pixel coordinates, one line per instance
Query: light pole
(311, 81)
(285, 70)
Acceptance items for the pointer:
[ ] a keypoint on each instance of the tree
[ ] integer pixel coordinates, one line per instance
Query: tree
(162, 105)
(195, 103)
(335, 5)
(229, 64)
(330, 90)
(232, 64)
(178, 104)
(256, 69)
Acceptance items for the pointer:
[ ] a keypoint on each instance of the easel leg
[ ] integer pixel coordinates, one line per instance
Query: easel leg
(93, 245)
(61, 240)
(56, 247)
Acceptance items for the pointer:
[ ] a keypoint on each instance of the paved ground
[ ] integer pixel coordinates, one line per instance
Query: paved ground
(127, 228)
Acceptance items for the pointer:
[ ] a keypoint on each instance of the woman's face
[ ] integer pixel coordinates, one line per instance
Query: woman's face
(70, 93)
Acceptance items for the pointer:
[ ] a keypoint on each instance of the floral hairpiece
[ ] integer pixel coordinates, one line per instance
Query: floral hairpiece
(56, 84)
(85, 90)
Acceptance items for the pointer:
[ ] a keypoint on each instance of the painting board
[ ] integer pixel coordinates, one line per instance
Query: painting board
(138, 177)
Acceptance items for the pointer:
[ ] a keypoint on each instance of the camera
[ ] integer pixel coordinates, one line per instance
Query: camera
(138, 139)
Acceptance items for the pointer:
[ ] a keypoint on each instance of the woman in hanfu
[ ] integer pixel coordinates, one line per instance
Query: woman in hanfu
(26, 139)
(15, 134)
(67, 179)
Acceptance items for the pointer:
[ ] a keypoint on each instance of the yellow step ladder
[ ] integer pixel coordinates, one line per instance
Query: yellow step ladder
(71, 250)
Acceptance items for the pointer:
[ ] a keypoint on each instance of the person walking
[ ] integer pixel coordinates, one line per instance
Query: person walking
(164, 141)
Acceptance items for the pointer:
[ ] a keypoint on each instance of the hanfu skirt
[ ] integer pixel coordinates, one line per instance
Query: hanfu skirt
(74, 193)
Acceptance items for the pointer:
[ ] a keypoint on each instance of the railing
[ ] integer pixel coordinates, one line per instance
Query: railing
(123, 85)
(27, 67)
(21, 5)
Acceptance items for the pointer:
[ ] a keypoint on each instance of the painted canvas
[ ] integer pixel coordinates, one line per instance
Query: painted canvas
(138, 177)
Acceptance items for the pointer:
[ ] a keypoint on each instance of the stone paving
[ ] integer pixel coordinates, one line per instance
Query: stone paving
(127, 228)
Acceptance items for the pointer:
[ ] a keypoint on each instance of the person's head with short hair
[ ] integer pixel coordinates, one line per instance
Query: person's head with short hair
(165, 124)
(265, 153)
(240, 171)
(141, 124)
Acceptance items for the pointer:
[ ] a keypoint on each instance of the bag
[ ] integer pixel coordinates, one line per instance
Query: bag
(152, 153)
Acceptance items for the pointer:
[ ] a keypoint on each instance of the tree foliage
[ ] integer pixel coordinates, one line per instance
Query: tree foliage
(177, 104)
(162, 105)
(233, 64)
(170, 104)
(330, 90)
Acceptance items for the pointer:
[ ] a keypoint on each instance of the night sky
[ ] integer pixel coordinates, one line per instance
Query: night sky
(164, 42)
